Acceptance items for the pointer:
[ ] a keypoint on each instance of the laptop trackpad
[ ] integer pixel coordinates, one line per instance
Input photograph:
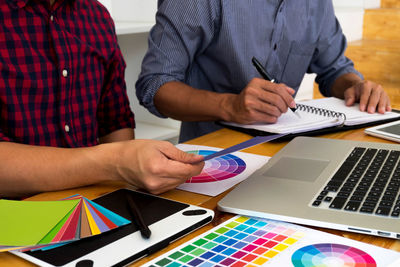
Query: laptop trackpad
(297, 169)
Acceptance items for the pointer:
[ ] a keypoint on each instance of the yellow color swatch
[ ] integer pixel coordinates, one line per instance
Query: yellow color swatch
(232, 224)
(290, 241)
(271, 254)
(280, 247)
(298, 235)
(242, 219)
(93, 226)
(260, 261)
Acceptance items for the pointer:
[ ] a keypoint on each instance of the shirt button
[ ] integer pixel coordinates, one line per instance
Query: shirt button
(65, 73)
(51, 17)
(66, 127)
(275, 46)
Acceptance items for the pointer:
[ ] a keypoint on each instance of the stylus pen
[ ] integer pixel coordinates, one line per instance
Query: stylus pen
(263, 72)
(137, 216)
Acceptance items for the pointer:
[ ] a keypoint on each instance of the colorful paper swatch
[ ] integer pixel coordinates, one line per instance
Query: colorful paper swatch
(244, 241)
(47, 224)
(222, 172)
(332, 254)
(217, 169)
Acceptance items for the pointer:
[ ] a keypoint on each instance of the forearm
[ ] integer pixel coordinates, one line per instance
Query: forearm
(117, 136)
(182, 102)
(26, 169)
(344, 82)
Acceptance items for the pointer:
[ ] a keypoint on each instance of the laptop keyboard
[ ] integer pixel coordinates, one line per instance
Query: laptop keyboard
(368, 182)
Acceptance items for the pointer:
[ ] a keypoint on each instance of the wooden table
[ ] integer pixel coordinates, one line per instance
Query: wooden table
(222, 138)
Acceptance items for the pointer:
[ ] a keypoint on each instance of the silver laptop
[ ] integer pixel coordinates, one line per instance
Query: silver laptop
(339, 184)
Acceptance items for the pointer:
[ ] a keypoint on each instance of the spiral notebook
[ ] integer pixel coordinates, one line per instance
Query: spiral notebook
(313, 115)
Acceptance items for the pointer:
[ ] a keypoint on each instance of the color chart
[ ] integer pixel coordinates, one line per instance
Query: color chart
(244, 241)
(220, 173)
(218, 169)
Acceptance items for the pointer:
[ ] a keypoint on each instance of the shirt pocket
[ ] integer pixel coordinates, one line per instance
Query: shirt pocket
(297, 63)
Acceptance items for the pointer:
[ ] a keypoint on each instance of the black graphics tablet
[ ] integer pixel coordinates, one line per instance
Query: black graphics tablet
(168, 220)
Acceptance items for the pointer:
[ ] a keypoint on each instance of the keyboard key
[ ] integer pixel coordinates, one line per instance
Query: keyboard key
(356, 198)
(328, 199)
(323, 193)
(338, 203)
(331, 188)
(372, 199)
(347, 189)
(316, 203)
(383, 211)
(350, 184)
(360, 193)
(390, 193)
(335, 183)
(375, 194)
(369, 204)
(386, 204)
(395, 214)
(388, 198)
(344, 194)
(352, 205)
(366, 209)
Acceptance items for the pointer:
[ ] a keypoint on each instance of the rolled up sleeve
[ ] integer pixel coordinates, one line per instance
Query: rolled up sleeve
(183, 29)
(329, 61)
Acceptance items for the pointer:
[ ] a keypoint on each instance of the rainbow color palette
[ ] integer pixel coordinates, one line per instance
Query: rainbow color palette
(331, 255)
(222, 172)
(243, 241)
(219, 168)
(53, 223)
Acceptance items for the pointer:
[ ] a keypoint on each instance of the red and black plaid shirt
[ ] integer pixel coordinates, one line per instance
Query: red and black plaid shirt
(61, 74)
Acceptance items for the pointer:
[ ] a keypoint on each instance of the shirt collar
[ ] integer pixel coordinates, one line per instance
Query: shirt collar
(22, 3)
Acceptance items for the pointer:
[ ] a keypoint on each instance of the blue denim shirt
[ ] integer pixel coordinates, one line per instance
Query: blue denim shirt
(208, 44)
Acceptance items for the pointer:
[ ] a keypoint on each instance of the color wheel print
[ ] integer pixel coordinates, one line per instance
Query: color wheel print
(218, 169)
(331, 255)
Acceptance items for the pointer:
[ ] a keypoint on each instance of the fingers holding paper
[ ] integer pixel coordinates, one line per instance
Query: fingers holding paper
(157, 166)
(372, 97)
(261, 101)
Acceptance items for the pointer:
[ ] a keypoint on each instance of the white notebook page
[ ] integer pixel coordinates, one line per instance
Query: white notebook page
(303, 121)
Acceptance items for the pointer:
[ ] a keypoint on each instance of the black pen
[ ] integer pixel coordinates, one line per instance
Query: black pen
(263, 72)
(137, 217)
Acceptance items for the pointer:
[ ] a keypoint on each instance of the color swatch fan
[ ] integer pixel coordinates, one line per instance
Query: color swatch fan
(34, 225)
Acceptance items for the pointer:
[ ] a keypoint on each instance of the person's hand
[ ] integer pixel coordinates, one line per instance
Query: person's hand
(371, 96)
(156, 166)
(261, 102)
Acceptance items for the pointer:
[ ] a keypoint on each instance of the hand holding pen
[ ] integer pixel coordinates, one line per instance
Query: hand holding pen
(259, 102)
(263, 72)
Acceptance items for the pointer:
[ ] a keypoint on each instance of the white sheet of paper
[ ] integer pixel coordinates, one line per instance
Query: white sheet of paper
(281, 244)
(215, 170)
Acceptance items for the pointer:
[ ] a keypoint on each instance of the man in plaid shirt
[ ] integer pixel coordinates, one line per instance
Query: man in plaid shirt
(65, 119)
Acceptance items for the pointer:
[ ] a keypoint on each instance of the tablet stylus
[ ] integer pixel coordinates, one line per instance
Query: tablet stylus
(137, 217)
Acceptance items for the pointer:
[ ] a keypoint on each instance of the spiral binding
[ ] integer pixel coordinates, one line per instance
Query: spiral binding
(322, 112)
